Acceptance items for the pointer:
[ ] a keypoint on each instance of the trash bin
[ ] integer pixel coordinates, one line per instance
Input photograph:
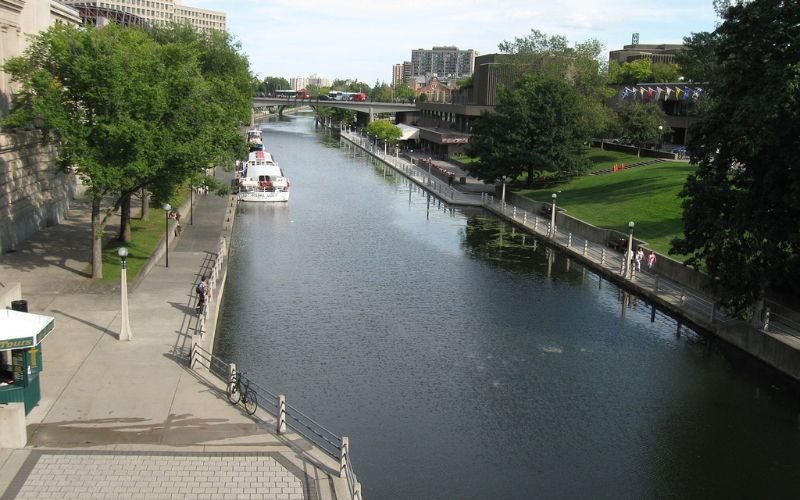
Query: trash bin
(19, 305)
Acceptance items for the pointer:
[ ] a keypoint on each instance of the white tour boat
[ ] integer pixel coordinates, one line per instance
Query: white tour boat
(263, 179)
(254, 140)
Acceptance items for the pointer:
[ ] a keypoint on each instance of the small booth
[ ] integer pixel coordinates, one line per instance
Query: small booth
(21, 335)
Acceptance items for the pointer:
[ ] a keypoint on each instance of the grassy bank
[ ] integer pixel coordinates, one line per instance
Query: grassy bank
(647, 195)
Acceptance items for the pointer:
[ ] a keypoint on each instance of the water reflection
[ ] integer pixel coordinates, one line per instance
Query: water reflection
(466, 359)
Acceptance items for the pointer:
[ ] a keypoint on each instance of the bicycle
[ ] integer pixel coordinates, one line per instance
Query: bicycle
(236, 392)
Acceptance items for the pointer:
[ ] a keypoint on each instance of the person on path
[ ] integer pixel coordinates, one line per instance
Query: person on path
(639, 259)
(203, 294)
(651, 260)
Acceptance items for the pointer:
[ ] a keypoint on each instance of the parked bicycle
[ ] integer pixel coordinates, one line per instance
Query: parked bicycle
(242, 392)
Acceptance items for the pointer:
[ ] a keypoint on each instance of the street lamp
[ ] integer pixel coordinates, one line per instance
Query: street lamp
(553, 216)
(167, 207)
(191, 204)
(503, 195)
(629, 255)
(660, 135)
(125, 328)
(430, 164)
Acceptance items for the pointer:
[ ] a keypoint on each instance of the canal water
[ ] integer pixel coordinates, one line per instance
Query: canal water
(466, 360)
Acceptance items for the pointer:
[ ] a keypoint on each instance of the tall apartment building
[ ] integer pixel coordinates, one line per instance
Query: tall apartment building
(443, 62)
(397, 74)
(298, 82)
(162, 12)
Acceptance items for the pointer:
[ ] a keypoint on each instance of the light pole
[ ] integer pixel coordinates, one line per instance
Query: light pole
(430, 164)
(125, 328)
(503, 194)
(191, 204)
(660, 135)
(629, 255)
(553, 216)
(167, 207)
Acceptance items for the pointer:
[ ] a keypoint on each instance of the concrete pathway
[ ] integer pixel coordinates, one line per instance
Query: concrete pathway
(130, 419)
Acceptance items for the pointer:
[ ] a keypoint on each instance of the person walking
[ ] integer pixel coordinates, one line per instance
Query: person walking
(203, 294)
(651, 260)
(639, 259)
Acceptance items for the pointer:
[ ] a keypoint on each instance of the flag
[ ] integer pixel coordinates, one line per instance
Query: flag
(625, 92)
(697, 91)
(669, 91)
(678, 92)
(687, 92)
(641, 91)
(659, 91)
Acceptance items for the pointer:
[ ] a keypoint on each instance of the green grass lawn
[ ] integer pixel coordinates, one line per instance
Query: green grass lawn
(145, 236)
(646, 195)
(602, 159)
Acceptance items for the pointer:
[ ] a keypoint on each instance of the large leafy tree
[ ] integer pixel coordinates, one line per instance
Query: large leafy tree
(641, 123)
(535, 127)
(384, 130)
(273, 83)
(580, 65)
(131, 109)
(741, 209)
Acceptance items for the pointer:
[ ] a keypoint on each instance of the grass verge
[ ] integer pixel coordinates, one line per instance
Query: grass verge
(647, 195)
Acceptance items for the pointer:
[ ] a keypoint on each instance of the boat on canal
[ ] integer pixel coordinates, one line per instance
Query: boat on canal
(254, 141)
(262, 179)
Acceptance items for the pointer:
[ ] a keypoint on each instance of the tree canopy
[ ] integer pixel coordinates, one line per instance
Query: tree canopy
(535, 127)
(741, 210)
(642, 70)
(642, 123)
(132, 109)
(384, 130)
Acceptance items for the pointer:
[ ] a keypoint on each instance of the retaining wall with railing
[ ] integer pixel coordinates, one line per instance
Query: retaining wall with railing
(773, 337)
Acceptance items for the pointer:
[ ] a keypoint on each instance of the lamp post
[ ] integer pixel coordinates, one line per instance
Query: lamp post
(660, 135)
(629, 255)
(125, 328)
(503, 194)
(553, 216)
(191, 204)
(430, 164)
(167, 207)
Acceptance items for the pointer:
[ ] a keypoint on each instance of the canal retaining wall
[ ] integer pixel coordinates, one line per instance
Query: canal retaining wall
(673, 287)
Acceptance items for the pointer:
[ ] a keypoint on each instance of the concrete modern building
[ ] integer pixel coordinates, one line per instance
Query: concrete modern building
(298, 83)
(662, 53)
(162, 12)
(397, 74)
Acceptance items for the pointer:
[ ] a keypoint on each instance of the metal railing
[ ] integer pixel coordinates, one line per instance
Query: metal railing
(331, 444)
(700, 304)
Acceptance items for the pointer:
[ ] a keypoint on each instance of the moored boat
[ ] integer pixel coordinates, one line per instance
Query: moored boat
(262, 179)
(254, 140)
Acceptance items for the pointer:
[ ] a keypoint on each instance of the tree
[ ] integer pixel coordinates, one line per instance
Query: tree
(131, 112)
(580, 65)
(384, 130)
(403, 92)
(536, 127)
(641, 123)
(273, 83)
(698, 61)
(741, 209)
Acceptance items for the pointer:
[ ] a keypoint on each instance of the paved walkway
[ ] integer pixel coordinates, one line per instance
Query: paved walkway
(130, 419)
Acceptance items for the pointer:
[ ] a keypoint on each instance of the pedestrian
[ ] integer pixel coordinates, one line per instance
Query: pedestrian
(203, 294)
(639, 258)
(651, 260)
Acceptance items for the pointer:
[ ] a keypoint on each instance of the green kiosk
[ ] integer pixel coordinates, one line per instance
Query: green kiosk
(21, 334)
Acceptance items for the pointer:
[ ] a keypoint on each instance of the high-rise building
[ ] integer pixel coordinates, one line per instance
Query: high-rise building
(162, 12)
(318, 81)
(397, 74)
(443, 62)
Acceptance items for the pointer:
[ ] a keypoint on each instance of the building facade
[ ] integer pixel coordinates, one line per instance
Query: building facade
(662, 53)
(442, 61)
(20, 19)
(397, 75)
(160, 12)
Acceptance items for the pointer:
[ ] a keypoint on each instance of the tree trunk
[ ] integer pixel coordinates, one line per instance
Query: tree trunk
(145, 204)
(125, 220)
(97, 240)
(638, 152)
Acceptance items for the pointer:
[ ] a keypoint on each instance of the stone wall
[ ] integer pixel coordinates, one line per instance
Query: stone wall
(34, 193)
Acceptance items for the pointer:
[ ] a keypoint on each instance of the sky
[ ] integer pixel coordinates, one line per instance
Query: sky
(362, 40)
